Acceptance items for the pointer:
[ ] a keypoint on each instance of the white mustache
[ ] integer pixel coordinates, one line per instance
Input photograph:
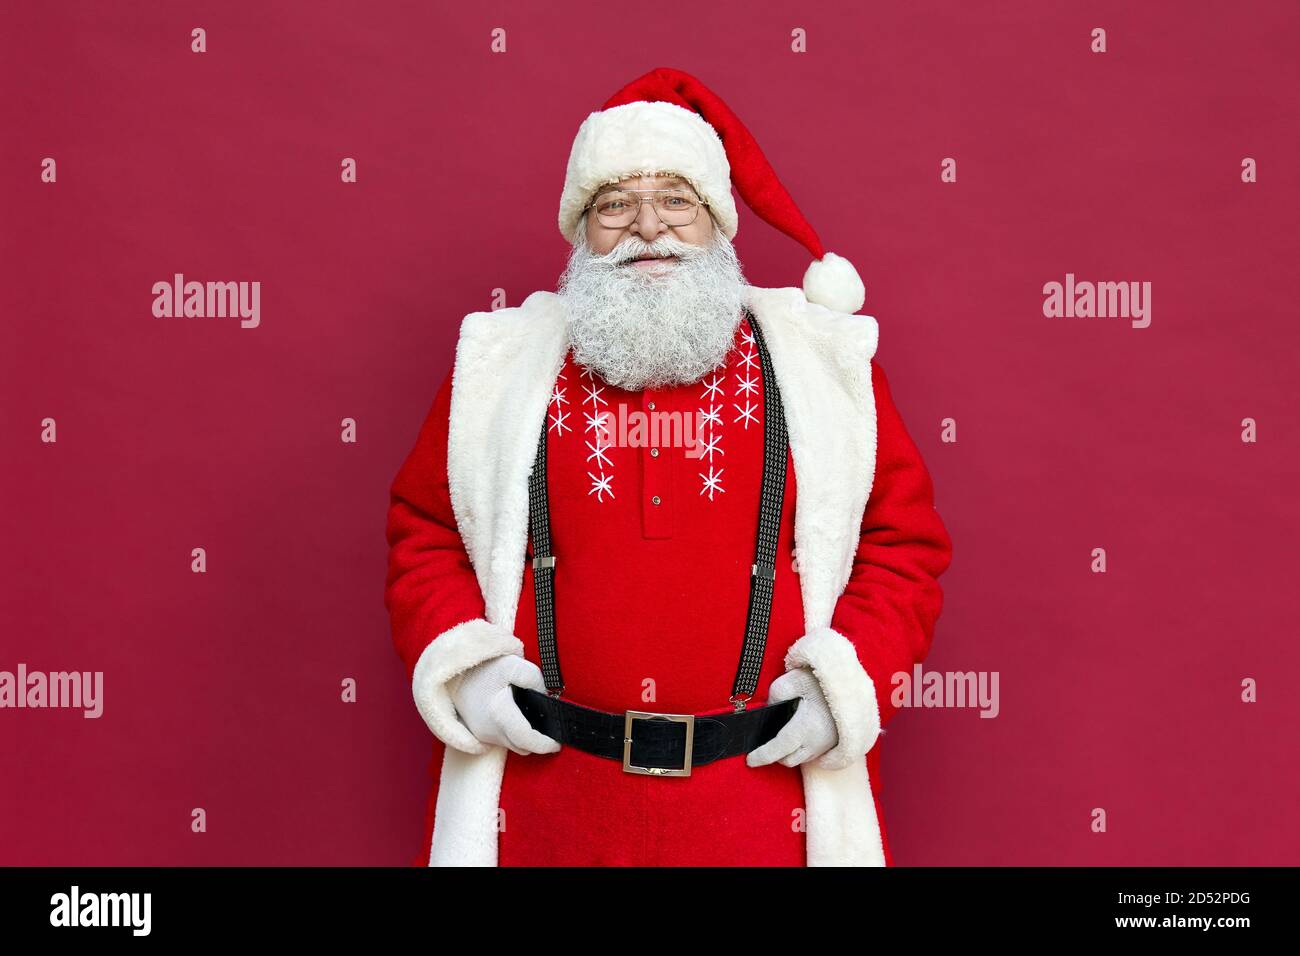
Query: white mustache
(634, 248)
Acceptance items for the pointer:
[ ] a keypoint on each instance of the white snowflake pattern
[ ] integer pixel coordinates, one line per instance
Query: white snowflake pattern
(557, 421)
(713, 389)
(598, 452)
(747, 386)
(598, 421)
(708, 442)
(600, 486)
(712, 482)
(708, 447)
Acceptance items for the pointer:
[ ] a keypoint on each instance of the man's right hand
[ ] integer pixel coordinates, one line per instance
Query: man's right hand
(487, 707)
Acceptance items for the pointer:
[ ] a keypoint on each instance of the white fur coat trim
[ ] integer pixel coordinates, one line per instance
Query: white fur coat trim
(451, 654)
(506, 364)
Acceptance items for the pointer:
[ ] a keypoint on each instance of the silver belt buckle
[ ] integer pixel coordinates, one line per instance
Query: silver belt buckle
(629, 767)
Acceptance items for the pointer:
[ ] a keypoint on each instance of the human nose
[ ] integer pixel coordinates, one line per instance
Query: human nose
(647, 223)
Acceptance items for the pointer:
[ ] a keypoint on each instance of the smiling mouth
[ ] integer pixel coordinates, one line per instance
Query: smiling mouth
(651, 258)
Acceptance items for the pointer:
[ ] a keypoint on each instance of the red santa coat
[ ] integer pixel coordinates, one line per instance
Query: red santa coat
(651, 598)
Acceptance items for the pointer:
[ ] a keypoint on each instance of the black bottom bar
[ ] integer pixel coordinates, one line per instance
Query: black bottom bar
(207, 905)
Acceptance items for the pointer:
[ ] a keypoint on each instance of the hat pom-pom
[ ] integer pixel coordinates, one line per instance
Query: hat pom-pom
(832, 282)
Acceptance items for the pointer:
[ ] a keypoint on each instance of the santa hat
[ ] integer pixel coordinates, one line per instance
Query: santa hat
(668, 122)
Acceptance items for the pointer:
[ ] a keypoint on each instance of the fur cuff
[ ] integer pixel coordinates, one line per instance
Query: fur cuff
(848, 689)
(450, 654)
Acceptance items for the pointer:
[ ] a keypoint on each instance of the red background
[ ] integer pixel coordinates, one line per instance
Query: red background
(1118, 690)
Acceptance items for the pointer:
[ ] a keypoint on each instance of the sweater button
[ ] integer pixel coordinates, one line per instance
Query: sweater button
(654, 500)
(651, 406)
(654, 452)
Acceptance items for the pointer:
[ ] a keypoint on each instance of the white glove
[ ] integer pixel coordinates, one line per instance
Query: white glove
(483, 700)
(809, 733)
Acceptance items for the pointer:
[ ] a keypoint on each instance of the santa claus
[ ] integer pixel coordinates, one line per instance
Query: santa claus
(663, 538)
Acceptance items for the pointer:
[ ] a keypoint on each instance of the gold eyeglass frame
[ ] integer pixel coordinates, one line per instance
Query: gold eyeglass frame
(641, 196)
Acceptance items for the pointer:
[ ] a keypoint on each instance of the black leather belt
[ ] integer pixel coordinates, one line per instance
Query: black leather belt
(665, 745)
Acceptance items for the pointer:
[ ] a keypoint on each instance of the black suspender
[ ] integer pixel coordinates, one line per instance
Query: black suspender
(539, 520)
(762, 577)
(762, 573)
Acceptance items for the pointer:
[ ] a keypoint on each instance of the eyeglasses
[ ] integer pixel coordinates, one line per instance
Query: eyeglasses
(619, 208)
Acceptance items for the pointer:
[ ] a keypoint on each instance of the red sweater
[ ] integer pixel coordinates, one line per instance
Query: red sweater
(650, 604)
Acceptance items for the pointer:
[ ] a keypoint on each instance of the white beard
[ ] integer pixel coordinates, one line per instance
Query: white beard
(641, 330)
